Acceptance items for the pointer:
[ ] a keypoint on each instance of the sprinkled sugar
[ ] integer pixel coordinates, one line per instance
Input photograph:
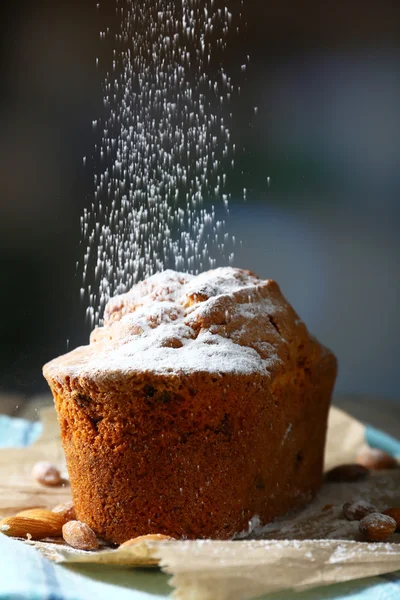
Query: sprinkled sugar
(166, 147)
(175, 322)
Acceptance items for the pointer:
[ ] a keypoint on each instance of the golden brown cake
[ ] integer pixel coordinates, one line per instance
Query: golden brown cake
(200, 408)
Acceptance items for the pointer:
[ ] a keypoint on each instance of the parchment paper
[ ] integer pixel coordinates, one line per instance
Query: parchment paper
(312, 548)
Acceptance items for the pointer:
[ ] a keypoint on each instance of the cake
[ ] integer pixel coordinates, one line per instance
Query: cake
(199, 407)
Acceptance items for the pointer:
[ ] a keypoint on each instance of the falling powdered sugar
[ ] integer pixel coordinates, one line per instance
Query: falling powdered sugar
(166, 147)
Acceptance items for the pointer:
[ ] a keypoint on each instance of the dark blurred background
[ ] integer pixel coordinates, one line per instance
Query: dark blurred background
(320, 160)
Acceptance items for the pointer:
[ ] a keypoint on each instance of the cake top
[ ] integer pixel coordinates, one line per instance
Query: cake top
(225, 320)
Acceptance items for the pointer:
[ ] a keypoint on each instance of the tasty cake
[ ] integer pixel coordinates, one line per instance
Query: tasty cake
(199, 407)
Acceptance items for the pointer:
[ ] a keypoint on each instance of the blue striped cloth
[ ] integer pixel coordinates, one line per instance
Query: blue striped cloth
(18, 433)
(26, 575)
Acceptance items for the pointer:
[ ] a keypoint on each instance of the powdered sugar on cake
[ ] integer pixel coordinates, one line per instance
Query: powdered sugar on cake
(224, 320)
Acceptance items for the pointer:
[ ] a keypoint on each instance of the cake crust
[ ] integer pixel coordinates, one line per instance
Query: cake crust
(200, 405)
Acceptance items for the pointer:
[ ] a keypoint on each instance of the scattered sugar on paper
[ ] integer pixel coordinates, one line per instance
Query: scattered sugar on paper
(166, 147)
(317, 522)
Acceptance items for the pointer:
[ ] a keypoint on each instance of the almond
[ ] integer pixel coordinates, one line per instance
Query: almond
(355, 511)
(150, 537)
(347, 473)
(80, 536)
(35, 526)
(395, 514)
(376, 460)
(47, 474)
(66, 511)
(377, 527)
(52, 519)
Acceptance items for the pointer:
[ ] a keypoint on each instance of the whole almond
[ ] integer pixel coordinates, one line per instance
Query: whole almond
(377, 527)
(52, 519)
(395, 514)
(376, 460)
(38, 528)
(355, 511)
(80, 536)
(47, 474)
(347, 473)
(150, 537)
(66, 511)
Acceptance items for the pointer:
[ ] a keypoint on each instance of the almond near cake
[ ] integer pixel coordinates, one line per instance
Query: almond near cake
(199, 407)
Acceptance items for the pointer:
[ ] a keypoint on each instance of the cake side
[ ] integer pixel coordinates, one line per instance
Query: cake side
(196, 456)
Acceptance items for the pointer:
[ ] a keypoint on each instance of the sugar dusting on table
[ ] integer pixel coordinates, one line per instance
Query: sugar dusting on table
(323, 519)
